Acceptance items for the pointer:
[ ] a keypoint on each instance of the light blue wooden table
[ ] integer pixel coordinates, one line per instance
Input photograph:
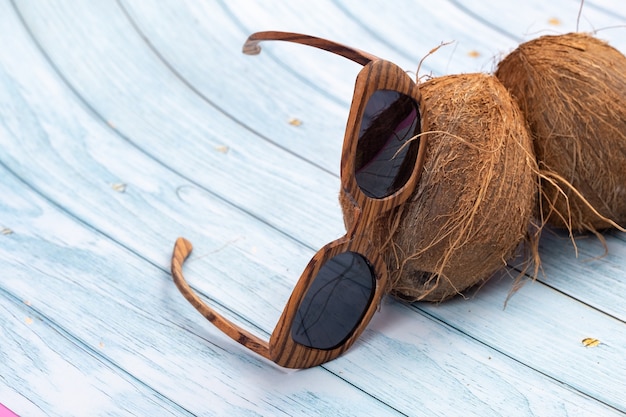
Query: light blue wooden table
(124, 124)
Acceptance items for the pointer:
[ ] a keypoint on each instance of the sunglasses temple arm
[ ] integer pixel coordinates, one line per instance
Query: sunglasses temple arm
(251, 47)
(182, 249)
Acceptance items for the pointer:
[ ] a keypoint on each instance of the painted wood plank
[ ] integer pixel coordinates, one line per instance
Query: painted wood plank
(126, 314)
(248, 392)
(141, 109)
(115, 304)
(171, 53)
(44, 372)
(586, 272)
(206, 55)
(156, 205)
(545, 330)
(525, 21)
(502, 18)
(100, 205)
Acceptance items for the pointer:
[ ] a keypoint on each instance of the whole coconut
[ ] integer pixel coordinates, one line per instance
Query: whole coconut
(475, 198)
(572, 91)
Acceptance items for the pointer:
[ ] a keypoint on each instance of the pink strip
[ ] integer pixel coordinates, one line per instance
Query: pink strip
(5, 412)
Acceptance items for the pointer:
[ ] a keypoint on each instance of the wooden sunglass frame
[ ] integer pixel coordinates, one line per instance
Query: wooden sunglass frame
(377, 74)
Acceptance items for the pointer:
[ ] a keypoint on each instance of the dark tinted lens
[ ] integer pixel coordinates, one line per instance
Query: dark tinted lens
(335, 303)
(383, 165)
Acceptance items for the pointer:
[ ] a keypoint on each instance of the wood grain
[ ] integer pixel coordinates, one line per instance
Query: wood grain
(124, 125)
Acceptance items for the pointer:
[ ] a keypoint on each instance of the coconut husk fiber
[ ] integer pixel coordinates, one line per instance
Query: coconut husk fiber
(572, 91)
(475, 197)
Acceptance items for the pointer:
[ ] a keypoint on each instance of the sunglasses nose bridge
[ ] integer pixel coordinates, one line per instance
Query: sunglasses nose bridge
(358, 220)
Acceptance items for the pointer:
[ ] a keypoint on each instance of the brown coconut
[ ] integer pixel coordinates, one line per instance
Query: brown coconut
(473, 204)
(572, 91)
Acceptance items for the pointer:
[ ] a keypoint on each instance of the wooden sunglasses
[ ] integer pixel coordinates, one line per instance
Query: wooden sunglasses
(343, 284)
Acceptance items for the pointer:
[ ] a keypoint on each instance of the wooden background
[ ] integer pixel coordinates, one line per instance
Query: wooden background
(125, 124)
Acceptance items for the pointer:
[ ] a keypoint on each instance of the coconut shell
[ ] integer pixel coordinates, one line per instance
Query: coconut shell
(572, 91)
(475, 198)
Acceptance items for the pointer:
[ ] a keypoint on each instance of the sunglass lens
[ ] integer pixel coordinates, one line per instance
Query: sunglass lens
(387, 147)
(335, 303)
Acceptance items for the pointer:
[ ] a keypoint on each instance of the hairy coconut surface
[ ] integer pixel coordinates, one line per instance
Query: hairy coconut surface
(572, 91)
(475, 198)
